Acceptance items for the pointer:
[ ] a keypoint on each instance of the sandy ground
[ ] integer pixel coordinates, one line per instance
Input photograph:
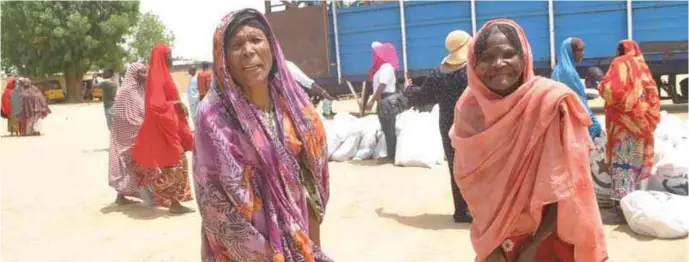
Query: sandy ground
(57, 206)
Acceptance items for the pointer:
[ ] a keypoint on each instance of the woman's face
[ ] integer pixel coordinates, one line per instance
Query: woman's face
(500, 66)
(142, 74)
(578, 50)
(249, 57)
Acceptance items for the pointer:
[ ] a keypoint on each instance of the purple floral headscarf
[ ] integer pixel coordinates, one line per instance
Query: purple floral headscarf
(252, 192)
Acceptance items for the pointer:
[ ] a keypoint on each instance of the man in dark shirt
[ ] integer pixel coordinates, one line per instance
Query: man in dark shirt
(109, 90)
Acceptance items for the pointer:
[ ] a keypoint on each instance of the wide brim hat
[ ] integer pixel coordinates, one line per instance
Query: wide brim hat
(457, 45)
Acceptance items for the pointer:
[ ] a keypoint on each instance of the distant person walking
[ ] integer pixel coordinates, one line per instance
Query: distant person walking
(204, 80)
(34, 108)
(193, 92)
(12, 124)
(109, 87)
(632, 113)
(164, 137)
(127, 117)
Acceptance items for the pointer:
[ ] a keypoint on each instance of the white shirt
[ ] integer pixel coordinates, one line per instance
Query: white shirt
(385, 75)
(299, 75)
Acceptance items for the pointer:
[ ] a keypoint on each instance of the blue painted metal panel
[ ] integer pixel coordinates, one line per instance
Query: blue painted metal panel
(601, 24)
(359, 27)
(660, 21)
(428, 23)
(532, 16)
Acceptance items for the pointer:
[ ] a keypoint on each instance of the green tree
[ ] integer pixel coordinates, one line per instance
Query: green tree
(50, 37)
(149, 32)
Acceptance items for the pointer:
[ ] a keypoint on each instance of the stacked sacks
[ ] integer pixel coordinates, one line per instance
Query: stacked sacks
(370, 132)
(354, 138)
(418, 138)
(348, 134)
(660, 210)
(671, 167)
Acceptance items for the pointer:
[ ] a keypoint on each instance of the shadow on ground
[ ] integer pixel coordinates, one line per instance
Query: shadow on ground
(137, 211)
(425, 221)
(370, 162)
(95, 150)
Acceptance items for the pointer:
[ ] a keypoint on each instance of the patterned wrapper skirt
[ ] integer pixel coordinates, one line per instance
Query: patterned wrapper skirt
(167, 184)
(627, 164)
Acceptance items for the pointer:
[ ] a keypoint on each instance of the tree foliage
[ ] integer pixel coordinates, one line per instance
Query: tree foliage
(69, 37)
(149, 32)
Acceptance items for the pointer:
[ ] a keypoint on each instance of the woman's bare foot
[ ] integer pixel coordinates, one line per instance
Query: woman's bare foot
(177, 208)
(122, 200)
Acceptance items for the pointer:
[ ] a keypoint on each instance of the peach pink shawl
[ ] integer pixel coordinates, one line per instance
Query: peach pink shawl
(518, 153)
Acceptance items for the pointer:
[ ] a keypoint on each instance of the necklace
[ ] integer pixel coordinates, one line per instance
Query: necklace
(269, 115)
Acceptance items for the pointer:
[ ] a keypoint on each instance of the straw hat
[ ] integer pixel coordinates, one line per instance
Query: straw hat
(457, 44)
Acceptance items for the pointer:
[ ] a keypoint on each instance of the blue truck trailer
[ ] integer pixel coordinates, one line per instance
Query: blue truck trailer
(418, 30)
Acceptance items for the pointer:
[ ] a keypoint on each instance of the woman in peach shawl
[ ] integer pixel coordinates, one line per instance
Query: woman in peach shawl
(527, 180)
(632, 112)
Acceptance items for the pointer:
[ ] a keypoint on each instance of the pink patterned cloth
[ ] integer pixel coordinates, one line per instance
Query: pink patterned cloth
(128, 115)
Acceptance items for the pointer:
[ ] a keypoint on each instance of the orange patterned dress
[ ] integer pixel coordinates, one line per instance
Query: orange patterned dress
(167, 185)
(632, 112)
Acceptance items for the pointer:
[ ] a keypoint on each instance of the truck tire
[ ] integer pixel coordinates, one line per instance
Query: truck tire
(683, 88)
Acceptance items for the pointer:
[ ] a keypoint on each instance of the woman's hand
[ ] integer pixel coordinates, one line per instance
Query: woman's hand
(408, 82)
(327, 95)
(369, 105)
(496, 256)
(184, 108)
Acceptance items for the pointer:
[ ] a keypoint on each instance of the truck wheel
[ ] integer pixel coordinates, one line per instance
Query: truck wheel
(683, 88)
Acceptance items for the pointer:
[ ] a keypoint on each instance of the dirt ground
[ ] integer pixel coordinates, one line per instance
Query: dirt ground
(57, 206)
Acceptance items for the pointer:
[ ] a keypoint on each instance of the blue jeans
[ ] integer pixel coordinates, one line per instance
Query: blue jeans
(108, 117)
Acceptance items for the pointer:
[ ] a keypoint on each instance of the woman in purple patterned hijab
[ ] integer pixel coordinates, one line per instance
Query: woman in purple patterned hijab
(260, 158)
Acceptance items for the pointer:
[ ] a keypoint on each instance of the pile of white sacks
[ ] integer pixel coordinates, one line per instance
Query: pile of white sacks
(661, 209)
(418, 138)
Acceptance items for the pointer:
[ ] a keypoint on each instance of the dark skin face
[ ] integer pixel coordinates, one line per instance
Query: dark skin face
(500, 67)
(249, 57)
(142, 74)
(578, 49)
(107, 74)
(192, 71)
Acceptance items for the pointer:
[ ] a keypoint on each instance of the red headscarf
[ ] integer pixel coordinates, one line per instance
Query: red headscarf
(632, 102)
(6, 107)
(165, 133)
(383, 54)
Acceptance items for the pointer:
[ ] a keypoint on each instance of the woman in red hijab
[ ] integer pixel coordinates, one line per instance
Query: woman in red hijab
(164, 137)
(12, 124)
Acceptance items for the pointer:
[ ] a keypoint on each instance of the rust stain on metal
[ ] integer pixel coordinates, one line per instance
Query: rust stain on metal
(303, 35)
